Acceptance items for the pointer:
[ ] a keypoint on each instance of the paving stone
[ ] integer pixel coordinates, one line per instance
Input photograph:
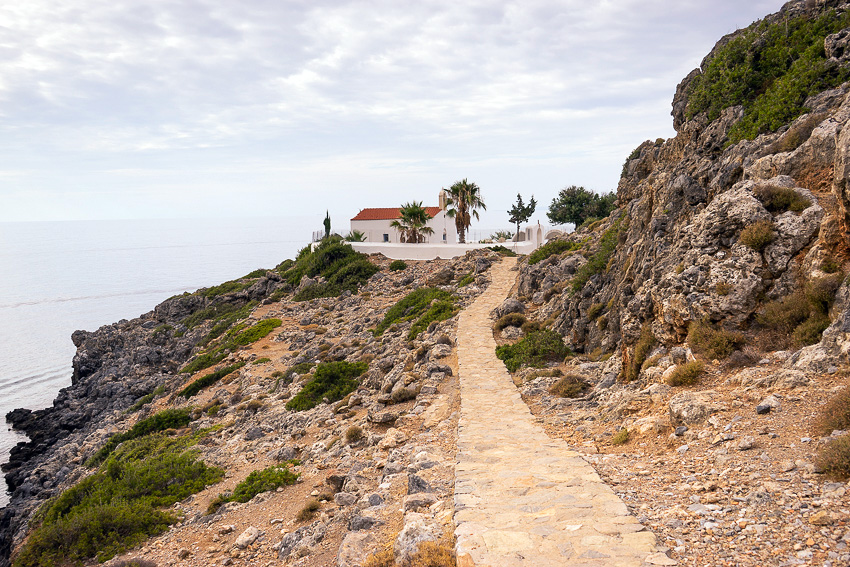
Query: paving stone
(522, 498)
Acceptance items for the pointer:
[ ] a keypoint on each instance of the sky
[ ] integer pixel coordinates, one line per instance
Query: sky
(114, 109)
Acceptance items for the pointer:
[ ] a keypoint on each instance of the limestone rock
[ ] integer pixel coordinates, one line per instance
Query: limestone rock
(691, 408)
(417, 529)
(247, 537)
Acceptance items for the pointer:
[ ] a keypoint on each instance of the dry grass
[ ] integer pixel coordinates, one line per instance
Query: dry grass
(308, 511)
(835, 414)
(510, 320)
(621, 437)
(686, 374)
(704, 338)
(758, 235)
(570, 386)
(834, 458)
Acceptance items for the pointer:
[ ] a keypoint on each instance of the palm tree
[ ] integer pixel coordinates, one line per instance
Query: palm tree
(355, 236)
(411, 222)
(464, 198)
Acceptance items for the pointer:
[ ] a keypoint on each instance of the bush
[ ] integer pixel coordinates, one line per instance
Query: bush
(308, 511)
(757, 235)
(466, 280)
(354, 434)
(801, 318)
(834, 458)
(778, 199)
(577, 204)
(531, 326)
(209, 380)
(337, 262)
(797, 134)
(403, 395)
(621, 437)
(503, 251)
(550, 249)
(118, 507)
(642, 348)
(332, 380)
(285, 378)
(427, 304)
(704, 338)
(510, 320)
(166, 419)
(595, 310)
(686, 374)
(599, 260)
(265, 480)
(770, 68)
(835, 414)
(397, 265)
(535, 349)
(570, 386)
(236, 337)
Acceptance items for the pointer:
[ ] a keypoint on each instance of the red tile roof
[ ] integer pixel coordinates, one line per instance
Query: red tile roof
(388, 213)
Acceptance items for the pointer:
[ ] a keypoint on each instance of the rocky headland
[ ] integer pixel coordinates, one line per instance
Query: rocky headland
(703, 369)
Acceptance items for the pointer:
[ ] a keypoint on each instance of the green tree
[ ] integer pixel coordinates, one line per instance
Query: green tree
(577, 204)
(521, 212)
(464, 199)
(327, 223)
(355, 236)
(411, 222)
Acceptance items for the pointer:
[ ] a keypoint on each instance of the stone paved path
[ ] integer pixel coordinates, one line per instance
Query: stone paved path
(522, 498)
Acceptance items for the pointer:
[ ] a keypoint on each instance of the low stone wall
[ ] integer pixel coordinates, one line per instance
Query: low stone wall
(432, 251)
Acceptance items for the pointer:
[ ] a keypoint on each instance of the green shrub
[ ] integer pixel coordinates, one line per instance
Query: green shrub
(642, 349)
(221, 289)
(599, 260)
(758, 235)
(236, 337)
(510, 320)
(120, 506)
(209, 379)
(166, 419)
(257, 482)
(704, 338)
(686, 374)
(503, 251)
(778, 199)
(834, 458)
(466, 280)
(332, 380)
(801, 318)
(621, 437)
(397, 265)
(262, 360)
(570, 386)
(225, 314)
(550, 249)
(770, 69)
(535, 349)
(258, 273)
(427, 304)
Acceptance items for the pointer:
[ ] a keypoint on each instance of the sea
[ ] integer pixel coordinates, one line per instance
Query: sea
(57, 277)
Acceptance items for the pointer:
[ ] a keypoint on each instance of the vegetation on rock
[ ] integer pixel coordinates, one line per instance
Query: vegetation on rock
(535, 349)
(166, 419)
(425, 305)
(770, 68)
(552, 248)
(331, 380)
(576, 204)
(270, 478)
(209, 380)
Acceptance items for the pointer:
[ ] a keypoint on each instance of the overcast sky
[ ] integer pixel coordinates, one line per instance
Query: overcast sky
(213, 108)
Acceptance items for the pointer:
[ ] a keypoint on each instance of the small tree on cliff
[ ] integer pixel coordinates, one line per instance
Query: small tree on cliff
(521, 212)
(577, 204)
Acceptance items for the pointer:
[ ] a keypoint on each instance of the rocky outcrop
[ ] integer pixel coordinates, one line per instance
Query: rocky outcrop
(118, 364)
(683, 206)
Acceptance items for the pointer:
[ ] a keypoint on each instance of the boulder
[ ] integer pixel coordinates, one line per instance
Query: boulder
(418, 528)
(510, 305)
(690, 408)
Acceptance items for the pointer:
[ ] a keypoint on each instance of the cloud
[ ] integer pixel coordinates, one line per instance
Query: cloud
(295, 89)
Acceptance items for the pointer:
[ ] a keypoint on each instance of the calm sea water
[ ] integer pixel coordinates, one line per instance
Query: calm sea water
(57, 277)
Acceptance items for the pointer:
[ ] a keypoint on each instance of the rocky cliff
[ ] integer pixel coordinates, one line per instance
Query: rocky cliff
(128, 372)
(679, 248)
